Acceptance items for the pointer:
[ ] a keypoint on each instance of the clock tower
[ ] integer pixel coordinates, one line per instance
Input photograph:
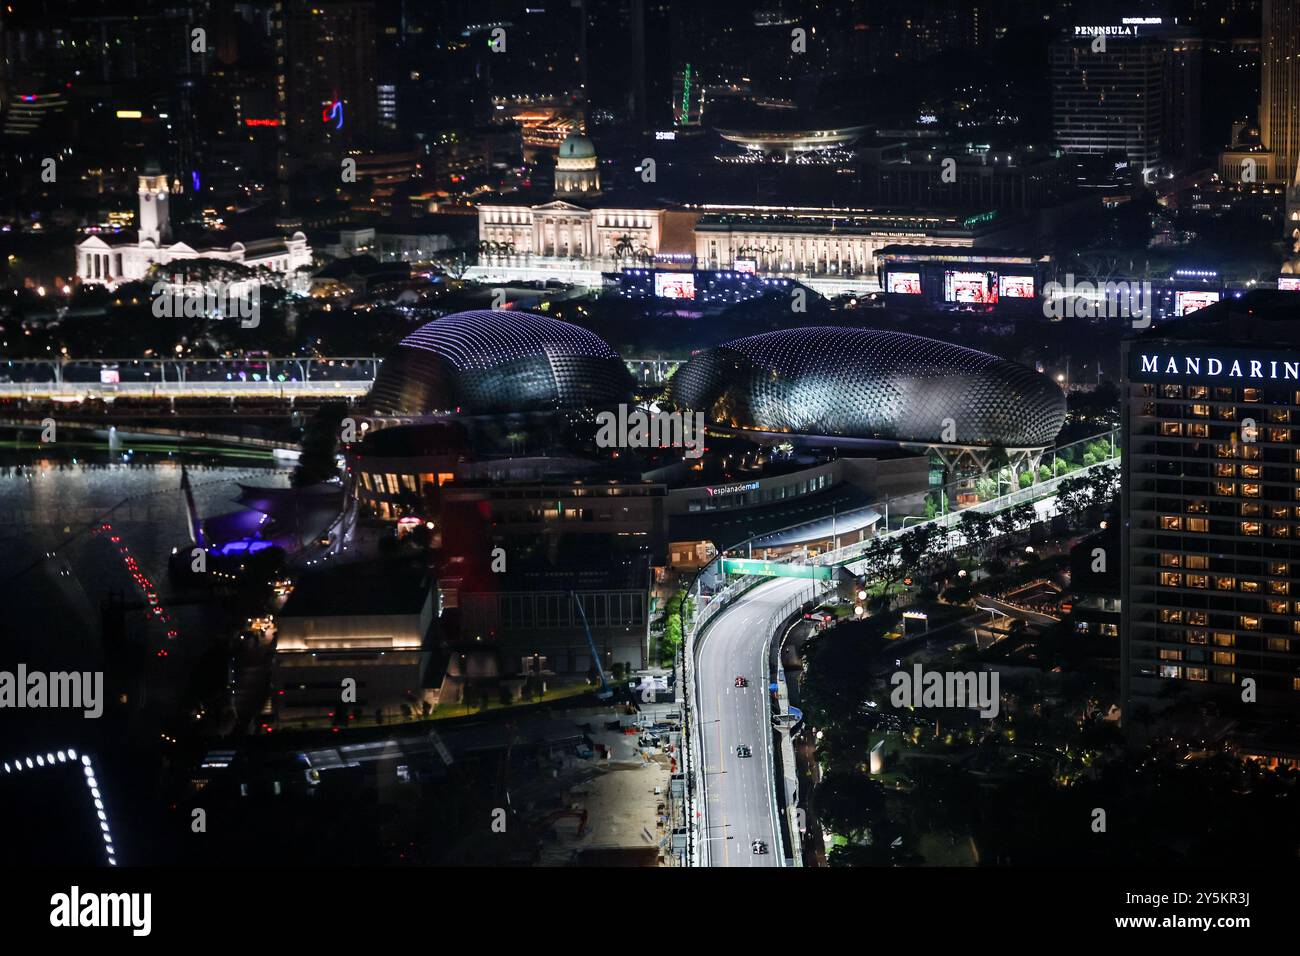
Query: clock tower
(155, 200)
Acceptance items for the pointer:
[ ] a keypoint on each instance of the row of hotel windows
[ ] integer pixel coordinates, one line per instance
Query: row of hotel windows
(1245, 622)
(1278, 436)
(1251, 529)
(1246, 451)
(1201, 562)
(1217, 393)
(1277, 645)
(1202, 674)
(1272, 605)
(1227, 413)
(1226, 582)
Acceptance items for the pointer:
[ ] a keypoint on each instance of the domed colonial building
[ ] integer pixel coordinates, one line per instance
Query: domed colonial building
(577, 170)
(577, 221)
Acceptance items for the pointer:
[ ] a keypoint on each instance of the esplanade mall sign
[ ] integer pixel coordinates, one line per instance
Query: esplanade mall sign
(1160, 363)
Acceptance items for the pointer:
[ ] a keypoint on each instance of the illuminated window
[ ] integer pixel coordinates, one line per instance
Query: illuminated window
(1195, 637)
(1200, 411)
(1171, 671)
(1197, 674)
(1250, 587)
(1226, 488)
(1248, 622)
(1224, 639)
(1279, 531)
(1170, 654)
(1251, 528)
(1250, 509)
(1198, 562)
(1175, 523)
(1198, 617)
(1224, 657)
(1198, 581)
(1171, 579)
(1171, 429)
(1250, 489)
(1171, 560)
(1225, 583)
(1198, 524)
(1226, 469)
(1196, 508)
(1281, 435)
(1198, 430)
(1278, 607)
(1251, 471)
(1279, 587)
(1228, 413)
(1175, 616)
(1172, 391)
(1198, 391)
(1279, 415)
(1252, 394)
(1278, 644)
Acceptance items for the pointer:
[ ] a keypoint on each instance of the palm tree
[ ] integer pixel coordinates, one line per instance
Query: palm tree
(623, 248)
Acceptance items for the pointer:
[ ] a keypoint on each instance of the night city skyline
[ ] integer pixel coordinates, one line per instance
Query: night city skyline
(570, 434)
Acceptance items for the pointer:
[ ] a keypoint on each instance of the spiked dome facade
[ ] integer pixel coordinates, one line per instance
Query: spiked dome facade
(498, 362)
(868, 384)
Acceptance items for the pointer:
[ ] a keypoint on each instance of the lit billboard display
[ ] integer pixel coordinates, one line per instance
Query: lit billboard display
(1185, 302)
(675, 285)
(904, 283)
(972, 287)
(1288, 283)
(1016, 287)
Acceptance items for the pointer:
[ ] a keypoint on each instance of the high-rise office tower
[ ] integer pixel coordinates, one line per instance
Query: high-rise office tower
(328, 74)
(1279, 106)
(1110, 99)
(1211, 505)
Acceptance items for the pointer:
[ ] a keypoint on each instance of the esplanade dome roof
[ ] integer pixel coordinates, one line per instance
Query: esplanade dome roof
(498, 361)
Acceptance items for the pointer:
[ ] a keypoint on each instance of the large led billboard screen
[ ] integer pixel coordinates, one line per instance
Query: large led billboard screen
(675, 285)
(903, 283)
(972, 287)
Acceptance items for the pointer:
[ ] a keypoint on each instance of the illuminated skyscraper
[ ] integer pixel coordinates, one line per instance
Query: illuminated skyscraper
(1279, 107)
(1211, 506)
(329, 76)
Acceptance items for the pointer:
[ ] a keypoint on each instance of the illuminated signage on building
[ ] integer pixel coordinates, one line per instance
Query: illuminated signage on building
(333, 112)
(1222, 363)
(261, 122)
(735, 489)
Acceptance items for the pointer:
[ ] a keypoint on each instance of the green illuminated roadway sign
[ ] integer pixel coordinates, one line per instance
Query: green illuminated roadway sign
(775, 569)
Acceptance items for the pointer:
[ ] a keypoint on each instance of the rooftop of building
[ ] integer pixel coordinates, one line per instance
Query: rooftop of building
(376, 588)
(1259, 317)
